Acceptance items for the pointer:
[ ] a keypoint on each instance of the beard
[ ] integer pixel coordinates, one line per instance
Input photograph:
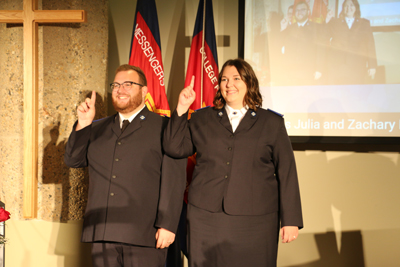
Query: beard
(133, 103)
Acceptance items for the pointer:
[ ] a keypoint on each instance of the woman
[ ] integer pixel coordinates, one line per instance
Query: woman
(245, 180)
(352, 51)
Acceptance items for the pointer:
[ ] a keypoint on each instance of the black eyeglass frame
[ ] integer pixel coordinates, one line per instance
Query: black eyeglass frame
(112, 85)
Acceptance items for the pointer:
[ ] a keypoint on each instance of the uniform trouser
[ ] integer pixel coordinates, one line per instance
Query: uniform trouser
(105, 254)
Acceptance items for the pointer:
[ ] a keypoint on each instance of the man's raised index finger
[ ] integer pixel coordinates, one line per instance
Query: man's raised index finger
(93, 98)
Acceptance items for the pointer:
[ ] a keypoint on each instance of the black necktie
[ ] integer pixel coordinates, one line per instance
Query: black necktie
(125, 124)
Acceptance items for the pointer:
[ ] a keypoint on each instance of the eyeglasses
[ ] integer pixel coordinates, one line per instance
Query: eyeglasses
(303, 10)
(126, 85)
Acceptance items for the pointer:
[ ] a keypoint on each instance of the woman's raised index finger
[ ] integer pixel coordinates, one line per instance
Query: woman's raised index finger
(192, 82)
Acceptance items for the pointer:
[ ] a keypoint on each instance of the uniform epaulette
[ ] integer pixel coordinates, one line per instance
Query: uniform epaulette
(201, 108)
(279, 114)
(99, 120)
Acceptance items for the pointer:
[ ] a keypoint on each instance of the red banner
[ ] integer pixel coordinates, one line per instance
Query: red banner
(203, 64)
(146, 54)
(203, 60)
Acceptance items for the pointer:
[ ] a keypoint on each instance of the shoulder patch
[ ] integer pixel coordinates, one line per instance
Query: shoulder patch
(279, 114)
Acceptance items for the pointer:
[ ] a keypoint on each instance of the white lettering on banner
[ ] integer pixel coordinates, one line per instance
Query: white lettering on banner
(371, 125)
(349, 124)
(308, 124)
(149, 53)
(209, 70)
(335, 125)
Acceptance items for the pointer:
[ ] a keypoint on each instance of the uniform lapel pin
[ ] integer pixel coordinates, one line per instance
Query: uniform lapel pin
(142, 117)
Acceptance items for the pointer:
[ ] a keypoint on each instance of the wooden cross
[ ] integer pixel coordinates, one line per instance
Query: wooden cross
(30, 17)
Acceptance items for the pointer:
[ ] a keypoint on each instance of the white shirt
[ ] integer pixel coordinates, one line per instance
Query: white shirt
(122, 118)
(235, 115)
(298, 24)
(302, 24)
(349, 22)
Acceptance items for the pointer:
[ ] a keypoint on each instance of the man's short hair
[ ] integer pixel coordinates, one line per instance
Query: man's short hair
(303, 2)
(139, 71)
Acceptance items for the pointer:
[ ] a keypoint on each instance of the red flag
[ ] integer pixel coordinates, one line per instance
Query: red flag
(146, 54)
(320, 10)
(203, 60)
(203, 64)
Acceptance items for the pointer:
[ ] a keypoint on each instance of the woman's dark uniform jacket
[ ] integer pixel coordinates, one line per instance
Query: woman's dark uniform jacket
(352, 51)
(247, 172)
(134, 188)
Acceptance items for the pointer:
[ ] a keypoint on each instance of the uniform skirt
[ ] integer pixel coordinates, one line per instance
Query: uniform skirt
(222, 240)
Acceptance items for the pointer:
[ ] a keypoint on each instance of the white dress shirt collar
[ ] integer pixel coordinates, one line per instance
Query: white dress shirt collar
(302, 24)
(122, 118)
(349, 22)
(235, 115)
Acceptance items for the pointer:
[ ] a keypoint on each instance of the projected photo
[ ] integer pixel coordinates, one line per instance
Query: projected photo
(330, 66)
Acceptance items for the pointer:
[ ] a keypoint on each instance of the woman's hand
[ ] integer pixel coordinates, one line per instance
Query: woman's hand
(329, 16)
(186, 98)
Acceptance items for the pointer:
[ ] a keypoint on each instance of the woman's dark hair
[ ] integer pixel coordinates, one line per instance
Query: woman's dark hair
(252, 97)
(357, 14)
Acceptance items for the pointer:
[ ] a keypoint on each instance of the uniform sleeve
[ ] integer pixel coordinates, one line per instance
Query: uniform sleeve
(75, 155)
(177, 137)
(285, 170)
(173, 184)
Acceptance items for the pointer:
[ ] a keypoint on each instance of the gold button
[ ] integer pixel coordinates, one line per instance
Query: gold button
(111, 194)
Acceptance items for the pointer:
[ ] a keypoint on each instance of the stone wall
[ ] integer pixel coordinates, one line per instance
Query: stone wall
(72, 63)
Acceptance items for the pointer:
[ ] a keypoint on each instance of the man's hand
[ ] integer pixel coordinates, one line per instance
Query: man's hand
(164, 238)
(289, 233)
(372, 72)
(86, 112)
(186, 98)
(317, 75)
(284, 23)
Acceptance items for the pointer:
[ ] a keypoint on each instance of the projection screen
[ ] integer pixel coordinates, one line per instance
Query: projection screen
(331, 68)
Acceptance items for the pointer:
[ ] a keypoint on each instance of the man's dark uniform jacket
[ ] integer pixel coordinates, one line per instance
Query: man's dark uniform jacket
(304, 53)
(250, 171)
(134, 188)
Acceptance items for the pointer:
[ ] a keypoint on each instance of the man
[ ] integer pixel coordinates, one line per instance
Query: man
(287, 20)
(135, 191)
(303, 48)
